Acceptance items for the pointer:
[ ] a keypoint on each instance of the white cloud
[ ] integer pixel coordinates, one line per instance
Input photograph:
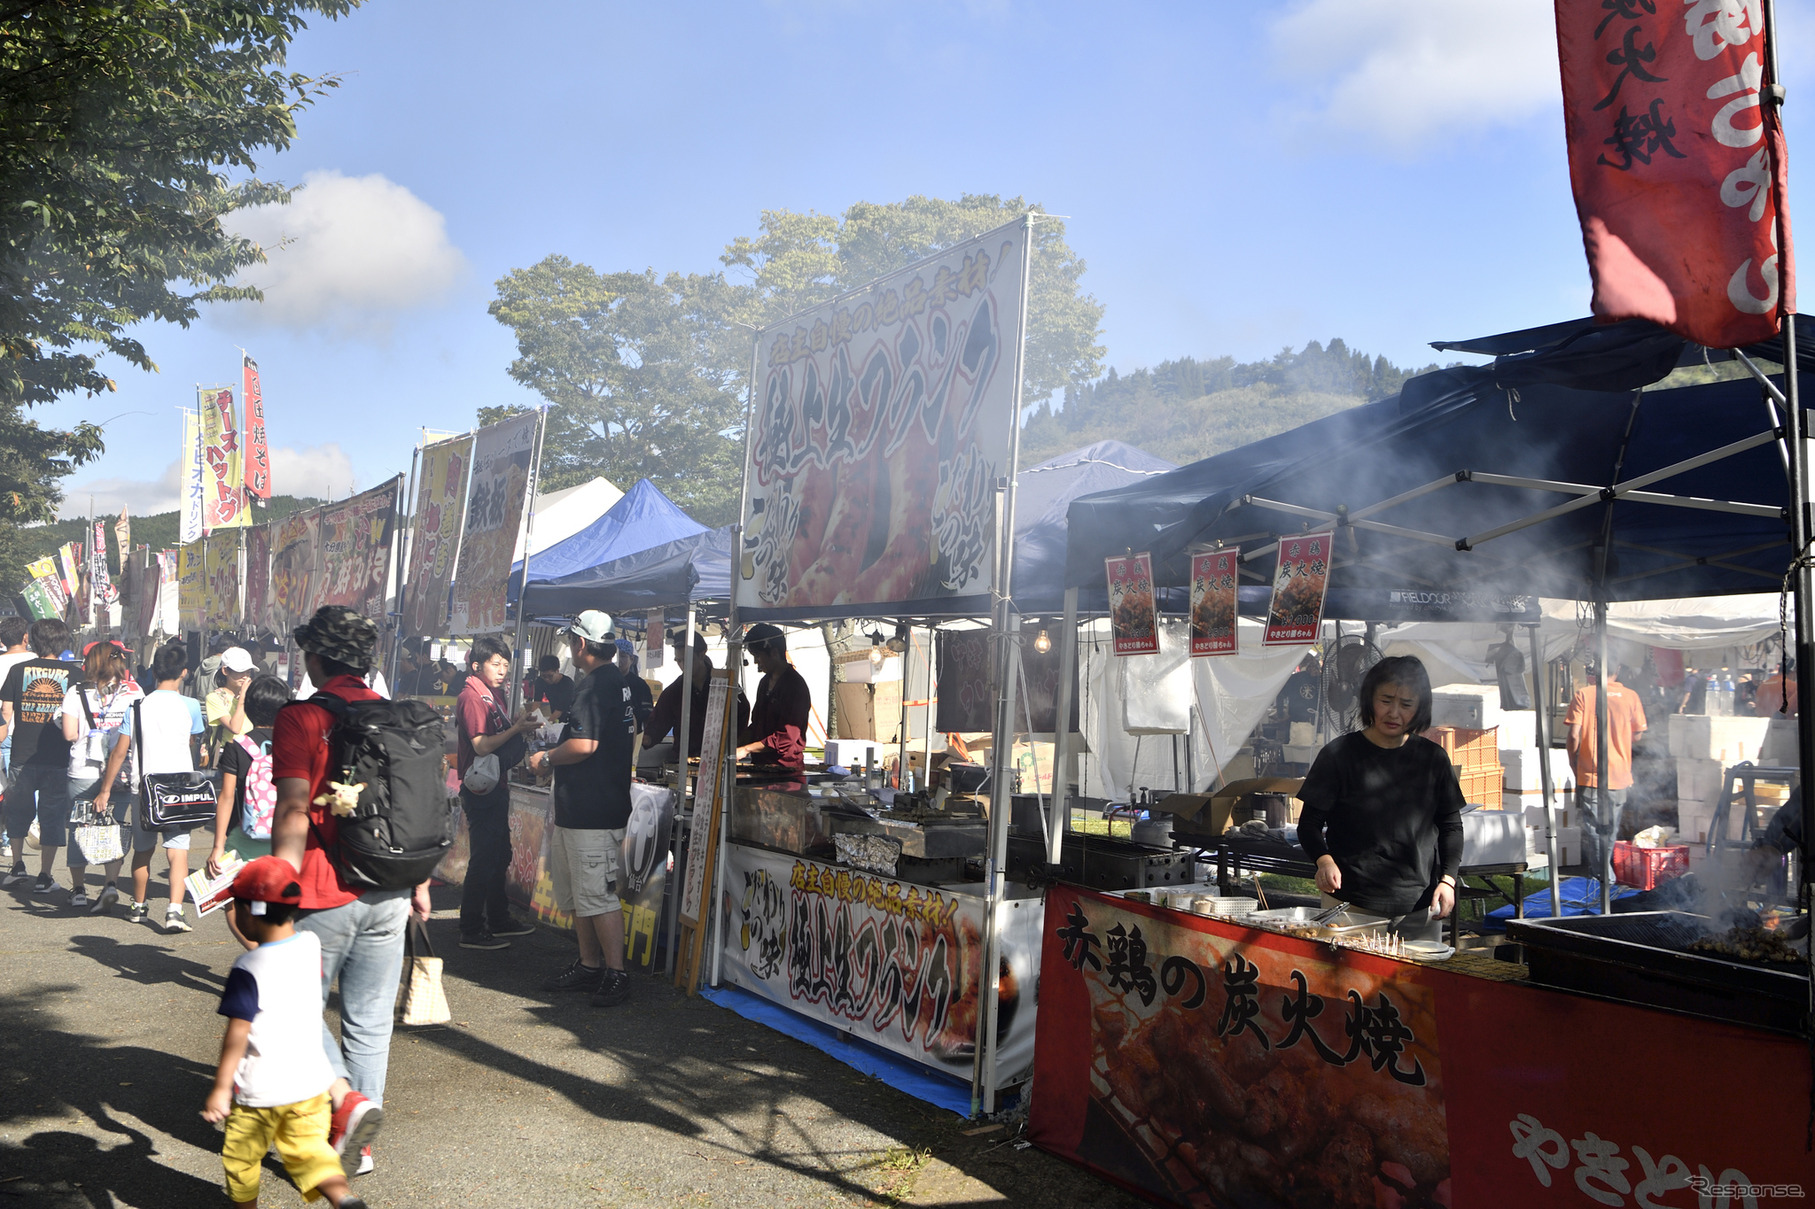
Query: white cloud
(1400, 74)
(347, 254)
(317, 471)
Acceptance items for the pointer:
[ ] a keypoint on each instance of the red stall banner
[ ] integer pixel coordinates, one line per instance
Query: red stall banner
(1208, 1064)
(1295, 612)
(1676, 158)
(1133, 618)
(257, 473)
(1213, 578)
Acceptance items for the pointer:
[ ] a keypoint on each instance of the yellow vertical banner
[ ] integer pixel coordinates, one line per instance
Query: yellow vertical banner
(190, 593)
(223, 495)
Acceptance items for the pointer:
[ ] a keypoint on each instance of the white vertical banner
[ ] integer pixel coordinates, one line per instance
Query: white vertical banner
(193, 483)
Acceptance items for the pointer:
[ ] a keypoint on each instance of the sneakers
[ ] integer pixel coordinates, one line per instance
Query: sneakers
(614, 988)
(575, 977)
(349, 1201)
(364, 1168)
(17, 875)
(482, 940)
(173, 919)
(513, 927)
(351, 1130)
(137, 913)
(109, 895)
(44, 885)
(78, 898)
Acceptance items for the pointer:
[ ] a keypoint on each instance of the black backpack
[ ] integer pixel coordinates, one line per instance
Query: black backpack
(403, 825)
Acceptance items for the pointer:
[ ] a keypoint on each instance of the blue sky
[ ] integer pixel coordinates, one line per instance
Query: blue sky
(1238, 178)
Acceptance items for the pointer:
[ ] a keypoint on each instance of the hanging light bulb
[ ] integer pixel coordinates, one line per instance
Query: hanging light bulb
(899, 643)
(876, 652)
(1042, 644)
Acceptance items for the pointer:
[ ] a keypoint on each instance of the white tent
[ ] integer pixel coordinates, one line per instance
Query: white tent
(561, 514)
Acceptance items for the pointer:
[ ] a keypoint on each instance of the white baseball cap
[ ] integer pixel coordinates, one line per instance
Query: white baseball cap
(235, 659)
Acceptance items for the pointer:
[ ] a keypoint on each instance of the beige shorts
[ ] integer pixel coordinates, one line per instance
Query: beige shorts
(586, 867)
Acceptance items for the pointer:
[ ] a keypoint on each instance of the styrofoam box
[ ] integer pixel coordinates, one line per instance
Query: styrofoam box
(1702, 737)
(1492, 837)
(1698, 779)
(1533, 814)
(1518, 727)
(1780, 744)
(1569, 845)
(1521, 768)
(1474, 706)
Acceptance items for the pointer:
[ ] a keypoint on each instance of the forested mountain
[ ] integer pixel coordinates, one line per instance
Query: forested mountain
(1188, 409)
(159, 530)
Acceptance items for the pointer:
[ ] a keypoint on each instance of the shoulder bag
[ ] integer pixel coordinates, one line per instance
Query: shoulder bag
(173, 799)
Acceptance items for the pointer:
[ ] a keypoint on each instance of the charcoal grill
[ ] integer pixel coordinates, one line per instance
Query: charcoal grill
(1644, 958)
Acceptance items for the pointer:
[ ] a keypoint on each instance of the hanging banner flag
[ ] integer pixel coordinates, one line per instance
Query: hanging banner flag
(1676, 156)
(494, 515)
(39, 602)
(141, 597)
(224, 494)
(44, 594)
(258, 575)
(69, 566)
(354, 554)
(1213, 576)
(194, 487)
(293, 572)
(169, 614)
(1132, 613)
(440, 513)
(220, 583)
(881, 425)
(192, 601)
(104, 591)
(1295, 613)
(122, 535)
(257, 471)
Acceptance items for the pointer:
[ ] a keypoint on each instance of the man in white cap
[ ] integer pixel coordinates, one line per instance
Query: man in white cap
(591, 810)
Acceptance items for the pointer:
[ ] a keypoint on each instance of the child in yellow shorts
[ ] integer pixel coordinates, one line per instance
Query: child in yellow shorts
(272, 1082)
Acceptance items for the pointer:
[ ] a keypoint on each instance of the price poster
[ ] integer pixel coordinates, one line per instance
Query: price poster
(1213, 578)
(1295, 613)
(1132, 620)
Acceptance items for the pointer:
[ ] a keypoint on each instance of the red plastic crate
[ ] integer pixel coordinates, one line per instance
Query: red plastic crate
(1648, 868)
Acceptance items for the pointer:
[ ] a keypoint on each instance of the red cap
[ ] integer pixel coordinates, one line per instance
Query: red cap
(108, 641)
(269, 879)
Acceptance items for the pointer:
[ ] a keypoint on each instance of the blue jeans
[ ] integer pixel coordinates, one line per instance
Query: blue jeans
(362, 946)
(40, 791)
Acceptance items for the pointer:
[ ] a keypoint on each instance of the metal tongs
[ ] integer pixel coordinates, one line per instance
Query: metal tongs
(1329, 913)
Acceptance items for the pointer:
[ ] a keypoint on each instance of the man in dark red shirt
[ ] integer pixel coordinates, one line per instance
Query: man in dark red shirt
(484, 730)
(361, 934)
(777, 733)
(659, 733)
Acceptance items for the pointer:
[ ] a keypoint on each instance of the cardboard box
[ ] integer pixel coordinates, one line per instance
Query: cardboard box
(1209, 814)
(1523, 772)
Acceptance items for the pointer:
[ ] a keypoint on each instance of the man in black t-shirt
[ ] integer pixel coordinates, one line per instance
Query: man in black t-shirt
(31, 711)
(591, 810)
(550, 687)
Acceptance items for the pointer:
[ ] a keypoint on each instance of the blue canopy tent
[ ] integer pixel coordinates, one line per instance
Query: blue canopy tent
(642, 519)
(1044, 492)
(692, 569)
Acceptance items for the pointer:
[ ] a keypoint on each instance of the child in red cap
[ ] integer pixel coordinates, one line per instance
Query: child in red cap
(272, 1082)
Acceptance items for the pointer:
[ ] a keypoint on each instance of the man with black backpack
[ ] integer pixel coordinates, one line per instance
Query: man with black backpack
(362, 814)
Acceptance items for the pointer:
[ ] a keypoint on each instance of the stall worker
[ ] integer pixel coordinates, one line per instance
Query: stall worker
(665, 718)
(1382, 810)
(1625, 723)
(642, 701)
(550, 689)
(777, 733)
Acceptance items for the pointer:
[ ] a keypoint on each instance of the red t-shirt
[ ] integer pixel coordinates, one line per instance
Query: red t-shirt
(299, 748)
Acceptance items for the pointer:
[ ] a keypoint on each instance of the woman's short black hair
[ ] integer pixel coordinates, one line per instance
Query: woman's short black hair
(1406, 671)
(264, 697)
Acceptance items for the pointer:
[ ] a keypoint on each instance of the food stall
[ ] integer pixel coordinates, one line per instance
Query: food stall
(1206, 1054)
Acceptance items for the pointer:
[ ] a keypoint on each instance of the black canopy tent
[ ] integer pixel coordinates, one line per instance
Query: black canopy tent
(1551, 471)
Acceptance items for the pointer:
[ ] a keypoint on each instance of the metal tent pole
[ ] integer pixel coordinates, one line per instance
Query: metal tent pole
(406, 527)
(683, 742)
(1540, 689)
(1605, 815)
(1058, 822)
(529, 532)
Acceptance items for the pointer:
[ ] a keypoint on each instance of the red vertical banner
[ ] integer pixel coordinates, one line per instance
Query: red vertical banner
(258, 453)
(1213, 578)
(1133, 618)
(1676, 156)
(1295, 613)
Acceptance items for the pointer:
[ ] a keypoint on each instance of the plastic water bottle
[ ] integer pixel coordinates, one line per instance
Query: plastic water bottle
(1729, 692)
(1712, 700)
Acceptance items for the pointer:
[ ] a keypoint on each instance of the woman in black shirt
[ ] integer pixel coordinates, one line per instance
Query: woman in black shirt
(1382, 809)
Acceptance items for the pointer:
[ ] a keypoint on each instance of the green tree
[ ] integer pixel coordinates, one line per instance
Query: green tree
(120, 122)
(643, 374)
(800, 260)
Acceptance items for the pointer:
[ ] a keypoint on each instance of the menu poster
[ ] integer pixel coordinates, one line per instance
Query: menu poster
(1295, 614)
(1213, 578)
(1132, 616)
(708, 802)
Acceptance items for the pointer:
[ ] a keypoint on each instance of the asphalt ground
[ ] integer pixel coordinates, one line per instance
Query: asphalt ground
(109, 1039)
